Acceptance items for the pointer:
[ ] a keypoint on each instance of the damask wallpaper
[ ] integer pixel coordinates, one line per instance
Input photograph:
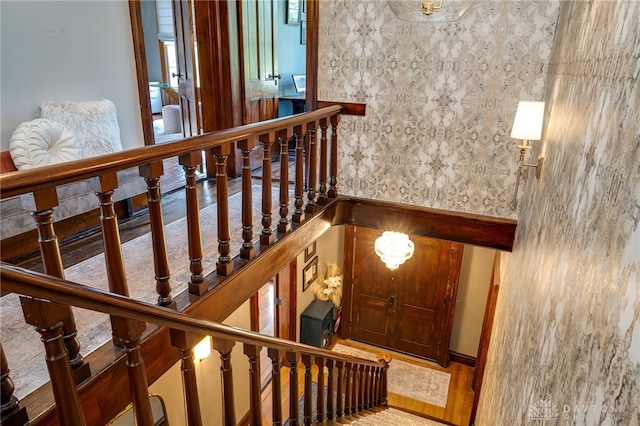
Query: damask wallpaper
(565, 348)
(440, 99)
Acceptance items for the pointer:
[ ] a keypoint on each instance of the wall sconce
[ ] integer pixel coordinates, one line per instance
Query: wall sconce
(527, 126)
(394, 248)
(428, 11)
(202, 349)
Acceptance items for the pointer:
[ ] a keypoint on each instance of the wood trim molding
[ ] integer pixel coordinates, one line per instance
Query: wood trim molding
(463, 359)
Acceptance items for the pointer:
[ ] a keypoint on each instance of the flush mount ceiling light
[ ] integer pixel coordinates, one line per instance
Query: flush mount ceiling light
(428, 11)
(393, 248)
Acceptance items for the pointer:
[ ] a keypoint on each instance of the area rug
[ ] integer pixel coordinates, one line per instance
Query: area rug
(21, 344)
(409, 380)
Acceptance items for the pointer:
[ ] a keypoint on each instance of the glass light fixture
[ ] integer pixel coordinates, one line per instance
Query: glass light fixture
(428, 11)
(527, 126)
(202, 349)
(393, 248)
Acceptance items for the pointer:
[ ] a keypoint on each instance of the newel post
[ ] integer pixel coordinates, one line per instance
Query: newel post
(386, 359)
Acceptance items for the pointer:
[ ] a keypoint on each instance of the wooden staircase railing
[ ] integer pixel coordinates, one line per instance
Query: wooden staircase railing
(50, 319)
(359, 385)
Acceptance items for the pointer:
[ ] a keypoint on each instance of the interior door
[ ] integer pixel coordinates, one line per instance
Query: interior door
(259, 64)
(410, 309)
(184, 25)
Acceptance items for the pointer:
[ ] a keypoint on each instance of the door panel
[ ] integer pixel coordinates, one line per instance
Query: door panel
(409, 309)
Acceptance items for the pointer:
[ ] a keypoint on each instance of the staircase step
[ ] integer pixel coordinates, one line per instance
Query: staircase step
(392, 416)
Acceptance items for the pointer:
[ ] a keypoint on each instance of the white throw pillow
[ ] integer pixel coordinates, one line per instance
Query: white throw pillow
(41, 142)
(94, 123)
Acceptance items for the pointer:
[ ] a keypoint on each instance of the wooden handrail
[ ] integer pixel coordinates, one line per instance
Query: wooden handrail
(34, 284)
(25, 181)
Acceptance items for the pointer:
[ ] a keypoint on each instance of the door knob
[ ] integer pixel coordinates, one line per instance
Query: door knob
(277, 76)
(392, 301)
(178, 75)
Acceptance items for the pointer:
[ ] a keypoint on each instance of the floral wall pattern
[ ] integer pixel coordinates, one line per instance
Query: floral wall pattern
(440, 99)
(565, 348)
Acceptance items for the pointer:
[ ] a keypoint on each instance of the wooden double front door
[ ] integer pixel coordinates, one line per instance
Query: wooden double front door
(409, 309)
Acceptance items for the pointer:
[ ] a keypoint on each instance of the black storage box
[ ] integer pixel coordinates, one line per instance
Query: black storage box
(316, 324)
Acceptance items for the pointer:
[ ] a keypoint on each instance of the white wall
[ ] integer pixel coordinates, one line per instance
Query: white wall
(67, 51)
(473, 289)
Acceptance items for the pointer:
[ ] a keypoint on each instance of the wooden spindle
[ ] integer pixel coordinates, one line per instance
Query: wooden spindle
(284, 225)
(11, 413)
(308, 389)
(247, 251)
(361, 387)
(355, 389)
(368, 392)
(47, 318)
(312, 155)
(294, 411)
(224, 265)
(333, 167)
(190, 163)
(320, 401)
(340, 389)
(151, 173)
(348, 376)
(298, 214)
(126, 332)
(266, 237)
(374, 386)
(43, 203)
(224, 348)
(185, 342)
(330, 387)
(322, 193)
(276, 386)
(255, 401)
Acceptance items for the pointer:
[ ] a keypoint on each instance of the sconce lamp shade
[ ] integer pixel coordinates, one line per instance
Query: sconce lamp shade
(202, 349)
(393, 248)
(528, 122)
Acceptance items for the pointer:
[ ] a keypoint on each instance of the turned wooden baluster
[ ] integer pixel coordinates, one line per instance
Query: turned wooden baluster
(298, 214)
(361, 388)
(333, 170)
(190, 163)
(42, 211)
(11, 413)
(276, 387)
(224, 265)
(386, 358)
(266, 237)
(368, 392)
(356, 388)
(151, 173)
(284, 225)
(308, 389)
(224, 348)
(255, 402)
(185, 343)
(374, 386)
(330, 387)
(126, 332)
(47, 318)
(340, 389)
(294, 411)
(320, 397)
(247, 251)
(312, 160)
(348, 388)
(322, 194)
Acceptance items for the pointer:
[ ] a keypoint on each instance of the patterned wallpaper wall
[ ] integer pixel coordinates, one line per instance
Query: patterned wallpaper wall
(566, 340)
(440, 99)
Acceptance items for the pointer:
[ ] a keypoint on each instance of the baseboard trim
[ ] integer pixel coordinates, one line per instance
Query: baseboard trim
(463, 359)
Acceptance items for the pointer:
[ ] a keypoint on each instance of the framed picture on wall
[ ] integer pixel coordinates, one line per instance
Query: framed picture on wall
(309, 252)
(293, 12)
(309, 273)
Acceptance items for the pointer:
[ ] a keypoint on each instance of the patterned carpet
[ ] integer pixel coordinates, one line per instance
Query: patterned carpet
(410, 380)
(22, 346)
